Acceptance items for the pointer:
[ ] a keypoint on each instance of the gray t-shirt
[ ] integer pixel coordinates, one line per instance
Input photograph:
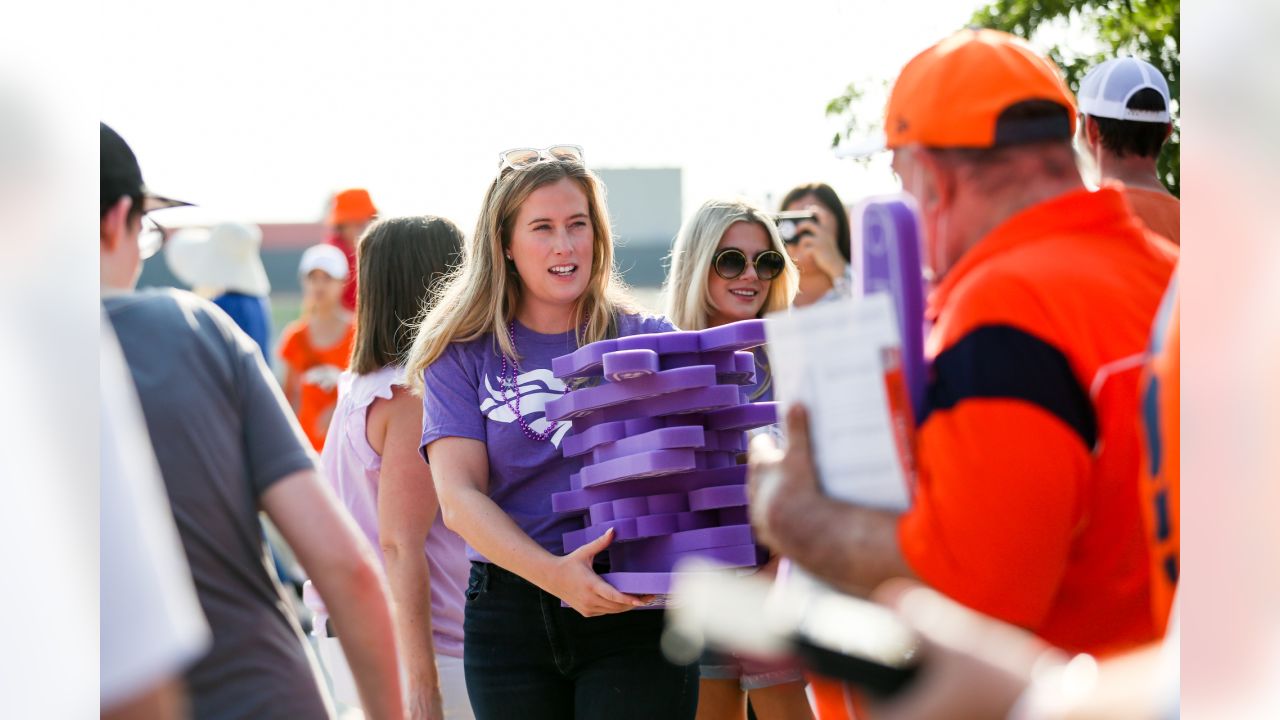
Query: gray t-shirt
(222, 434)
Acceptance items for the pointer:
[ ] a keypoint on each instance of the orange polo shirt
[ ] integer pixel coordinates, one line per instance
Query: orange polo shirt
(1161, 465)
(1026, 505)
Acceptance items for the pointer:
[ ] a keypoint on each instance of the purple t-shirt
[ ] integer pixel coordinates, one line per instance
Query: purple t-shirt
(463, 398)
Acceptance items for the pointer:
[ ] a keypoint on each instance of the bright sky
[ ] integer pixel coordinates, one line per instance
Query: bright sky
(258, 110)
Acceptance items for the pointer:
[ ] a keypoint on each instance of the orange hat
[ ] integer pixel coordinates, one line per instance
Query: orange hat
(952, 95)
(352, 205)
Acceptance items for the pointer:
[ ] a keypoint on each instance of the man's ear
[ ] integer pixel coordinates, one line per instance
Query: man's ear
(114, 223)
(1168, 131)
(1092, 134)
(939, 181)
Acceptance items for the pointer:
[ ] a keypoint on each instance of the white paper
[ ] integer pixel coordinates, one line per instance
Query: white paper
(830, 357)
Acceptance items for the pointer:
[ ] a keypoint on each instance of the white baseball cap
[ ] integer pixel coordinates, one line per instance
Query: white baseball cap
(225, 257)
(324, 257)
(1106, 90)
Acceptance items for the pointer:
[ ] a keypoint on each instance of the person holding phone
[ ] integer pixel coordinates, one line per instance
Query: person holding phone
(821, 246)
(729, 264)
(545, 636)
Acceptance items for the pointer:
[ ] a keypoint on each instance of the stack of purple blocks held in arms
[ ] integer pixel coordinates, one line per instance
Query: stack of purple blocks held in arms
(661, 436)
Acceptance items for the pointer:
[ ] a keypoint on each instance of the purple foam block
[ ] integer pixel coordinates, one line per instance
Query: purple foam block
(656, 525)
(630, 507)
(740, 335)
(661, 439)
(583, 441)
(692, 401)
(646, 464)
(600, 512)
(891, 263)
(640, 583)
(584, 400)
(691, 540)
(579, 500)
(747, 416)
(722, 496)
(733, 515)
(574, 539)
(732, 441)
(663, 343)
(717, 459)
(621, 365)
(584, 361)
(668, 503)
(736, 555)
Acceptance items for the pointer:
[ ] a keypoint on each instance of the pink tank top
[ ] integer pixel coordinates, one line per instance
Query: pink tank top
(352, 468)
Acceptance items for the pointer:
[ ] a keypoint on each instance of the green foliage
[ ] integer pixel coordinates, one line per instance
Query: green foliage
(1148, 29)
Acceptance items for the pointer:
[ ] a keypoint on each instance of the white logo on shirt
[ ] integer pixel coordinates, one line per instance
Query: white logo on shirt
(536, 388)
(323, 376)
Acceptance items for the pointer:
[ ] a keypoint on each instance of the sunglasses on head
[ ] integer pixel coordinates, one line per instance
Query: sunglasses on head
(521, 158)
(729, 263)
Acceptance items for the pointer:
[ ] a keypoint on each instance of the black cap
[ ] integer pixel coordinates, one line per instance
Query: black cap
(121, 175)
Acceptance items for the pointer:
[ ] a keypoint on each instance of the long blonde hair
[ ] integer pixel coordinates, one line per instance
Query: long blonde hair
(688, 297)
(482, 295)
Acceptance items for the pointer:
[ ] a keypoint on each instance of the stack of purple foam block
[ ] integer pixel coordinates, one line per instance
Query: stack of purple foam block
(661, 435)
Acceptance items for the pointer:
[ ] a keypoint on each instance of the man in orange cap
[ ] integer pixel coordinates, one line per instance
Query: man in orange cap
(1026, 505)
(351, 212)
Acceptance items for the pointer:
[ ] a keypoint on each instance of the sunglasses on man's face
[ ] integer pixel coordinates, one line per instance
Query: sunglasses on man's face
(730, 263)
(521, 158)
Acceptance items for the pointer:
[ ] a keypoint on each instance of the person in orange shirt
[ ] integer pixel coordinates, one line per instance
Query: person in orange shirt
(1125, 103)
(316, 347)
(349, 215)
(1026, 506)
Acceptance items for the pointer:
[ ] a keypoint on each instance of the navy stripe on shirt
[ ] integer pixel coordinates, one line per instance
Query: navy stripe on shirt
(1001, 361)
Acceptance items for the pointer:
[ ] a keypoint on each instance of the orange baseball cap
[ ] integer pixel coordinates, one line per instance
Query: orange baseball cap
(954, 94)
(352, 205)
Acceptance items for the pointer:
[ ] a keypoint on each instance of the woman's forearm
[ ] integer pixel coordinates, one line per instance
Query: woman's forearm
(493, 533)
(409, 576)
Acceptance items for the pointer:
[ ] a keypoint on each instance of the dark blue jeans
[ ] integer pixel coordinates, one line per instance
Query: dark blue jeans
(526, 657)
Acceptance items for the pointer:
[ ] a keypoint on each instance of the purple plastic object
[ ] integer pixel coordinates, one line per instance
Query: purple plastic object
(740, 335)
(585, 400)
(668, 503)
(646, 464)
(581, 499)
(661, 439)
(891, 263)
(622, 365)
(636, 557)
(676, 403)
(746, 416)
(714, 498)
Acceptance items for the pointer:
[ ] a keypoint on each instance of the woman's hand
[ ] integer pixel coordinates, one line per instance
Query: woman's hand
(583, 590)
(818, 243)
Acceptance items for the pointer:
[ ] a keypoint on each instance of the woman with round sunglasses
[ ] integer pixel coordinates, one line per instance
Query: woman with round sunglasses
(544, 635)
(729, 264)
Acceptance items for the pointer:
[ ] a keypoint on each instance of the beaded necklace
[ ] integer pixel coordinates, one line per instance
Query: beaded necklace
(511, 382)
